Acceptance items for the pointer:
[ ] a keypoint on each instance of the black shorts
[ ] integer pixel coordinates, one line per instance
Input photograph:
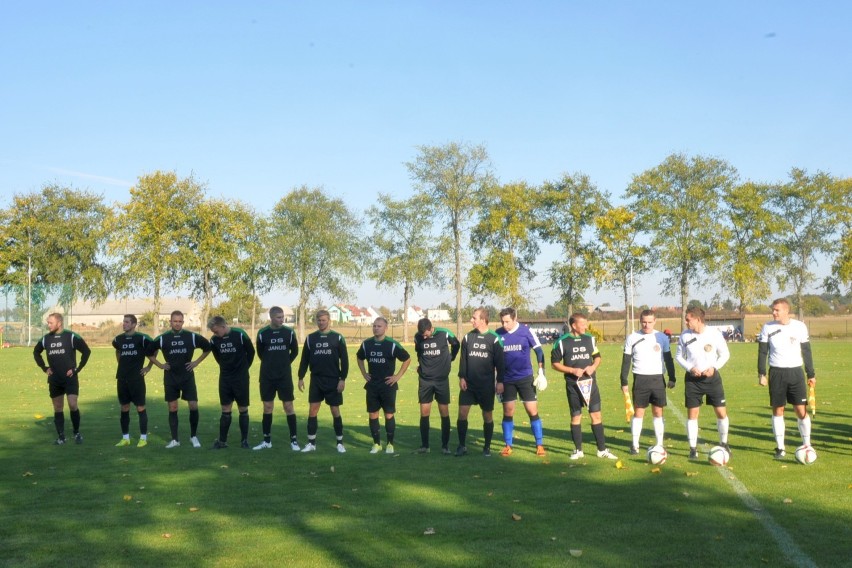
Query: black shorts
(380, 397)
(697, 388)
(131, 390)
(184, 389)
(649, 389)
(576, 401)
(325, 389)
(282, 387)
(523, 388)
(483, 396)
(66, 386)
(430, 389)
(787, 385)
(234, 390)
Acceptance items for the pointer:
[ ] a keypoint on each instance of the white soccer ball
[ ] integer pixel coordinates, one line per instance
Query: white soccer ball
(718, 455)
(657, 455)
(806, 455)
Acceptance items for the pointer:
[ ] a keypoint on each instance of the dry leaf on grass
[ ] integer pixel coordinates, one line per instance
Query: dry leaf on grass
(429, 531)
(193, 509)
(167, 535)
(516, 517)
(575, 553)
(656, 470)
(787, 501)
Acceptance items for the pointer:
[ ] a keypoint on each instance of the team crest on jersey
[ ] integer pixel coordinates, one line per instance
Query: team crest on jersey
(585, 386)
(657, 347)
(792, 341)
(708, 348)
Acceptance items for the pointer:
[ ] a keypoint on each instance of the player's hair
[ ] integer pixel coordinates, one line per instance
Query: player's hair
(57, 316)
(576, 316)
(697, 312)
(778, 301)
(275, 310)
(383, 318)
(176, 313)
(216, 321)
(483, 313)
(647, 313)
(424, 324)
(132, 318)
(511, 312)
(322, 313)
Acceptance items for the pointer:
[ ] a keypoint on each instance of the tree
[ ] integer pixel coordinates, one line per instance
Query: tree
(808, 227)
(505, 245)
(316, 246)
(678, 202)
(455, 178)
(620, 260)
(240, 308)
(570, 206)
(150, 235)
(402, 250)
(841, 272)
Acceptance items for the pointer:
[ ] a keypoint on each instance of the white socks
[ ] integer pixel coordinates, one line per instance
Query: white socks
(692, 432)
(805, 429)
(778, 430)
(636, 430)
(722, 427)
(659, 429)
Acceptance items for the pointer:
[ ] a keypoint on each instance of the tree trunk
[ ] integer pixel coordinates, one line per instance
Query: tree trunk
(684, 295)
(626, 288)
(405, 292)
(457, 251)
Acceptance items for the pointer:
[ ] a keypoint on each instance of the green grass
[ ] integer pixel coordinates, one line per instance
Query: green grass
(97, 505)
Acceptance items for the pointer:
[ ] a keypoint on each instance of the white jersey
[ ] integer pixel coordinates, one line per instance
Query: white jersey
(702, 350)
(785, 343)
(647, 350)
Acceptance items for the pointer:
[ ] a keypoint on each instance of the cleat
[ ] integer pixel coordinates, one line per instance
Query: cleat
(244, 444)
(634, 451)
(195, 442)
(309, 447)
(461, 451)
(577, 454)
(172, 444)
(78, 438)
(486, 452)
(727, 447)
(294, 445)
(605, 453)
(123, 442)
(446, 451)
(780, 454)
(693, 453)
(142, 443)
(423, 450)
(539, 451)
(263, 446)
(389, 449)
(59, 441)
(506, 451)
(377, 448)
(340, 448)
(218, 445)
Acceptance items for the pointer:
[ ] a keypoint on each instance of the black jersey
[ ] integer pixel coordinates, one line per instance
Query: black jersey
(481, 356)
(325, 354)
(234, 352)
(277, 349)
(178, 350)
(132, 351)
(61, 352)
(381, 357)
(575, 351)
(436, 353)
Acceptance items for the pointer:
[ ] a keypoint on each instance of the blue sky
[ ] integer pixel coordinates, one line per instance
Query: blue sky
(256, 98)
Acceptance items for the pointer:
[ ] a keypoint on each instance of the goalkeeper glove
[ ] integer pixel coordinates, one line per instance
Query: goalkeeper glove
(540, 382)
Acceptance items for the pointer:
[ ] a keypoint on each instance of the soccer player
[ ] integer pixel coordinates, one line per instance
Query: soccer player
(436, 349)
(178, 347)
(277, 348)
(576, 355)
(702, 351)
(234, 352)
(518, 341)
(480, 371)
(326, 356)
(647, 350)
(62, 372)
(381, 354)
(786, 342)
(131, 351)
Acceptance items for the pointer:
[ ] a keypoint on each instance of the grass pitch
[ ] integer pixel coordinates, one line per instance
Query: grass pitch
(98, 505)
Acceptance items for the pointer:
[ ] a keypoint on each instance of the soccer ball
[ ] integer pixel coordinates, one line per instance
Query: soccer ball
(806, 455)
(657, 455)
(718, 455)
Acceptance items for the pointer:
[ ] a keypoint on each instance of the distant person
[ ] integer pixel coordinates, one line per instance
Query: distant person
(178, 347)
(62, 372)
(436, 349)
(481, 368)
(131, 352)
(576, 356)
(325, 355)
(381, 354)
(648, 351)
(234, 352)
(702, 351)
(518, 379)
(785, 340)
(277, 348)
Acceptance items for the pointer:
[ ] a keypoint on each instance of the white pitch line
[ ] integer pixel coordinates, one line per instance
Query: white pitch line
(790, 549)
